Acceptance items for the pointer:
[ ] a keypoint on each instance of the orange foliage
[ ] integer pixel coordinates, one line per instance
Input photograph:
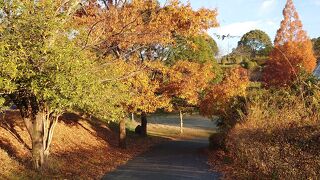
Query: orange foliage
(142, 23)
(292, 53)
(186, 80)
(128, 29)
(217, 98)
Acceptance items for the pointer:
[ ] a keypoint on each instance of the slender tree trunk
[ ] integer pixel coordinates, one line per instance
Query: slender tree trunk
(40, 128)
(37, 142)
(50, 130)
(132, 116)
(181, 122)
(144, 124)
(122, 134)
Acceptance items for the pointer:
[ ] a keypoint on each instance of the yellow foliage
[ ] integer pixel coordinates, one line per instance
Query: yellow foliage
(144, 87)
(186, 80)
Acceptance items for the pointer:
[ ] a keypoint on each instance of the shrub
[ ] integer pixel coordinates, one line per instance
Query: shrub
(217, 141)
(279, 138)
(250, 65)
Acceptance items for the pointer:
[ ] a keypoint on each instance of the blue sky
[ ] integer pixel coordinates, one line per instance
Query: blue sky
(237, 17)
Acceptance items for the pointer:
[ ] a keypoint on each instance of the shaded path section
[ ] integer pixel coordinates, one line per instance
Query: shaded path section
(174, 160)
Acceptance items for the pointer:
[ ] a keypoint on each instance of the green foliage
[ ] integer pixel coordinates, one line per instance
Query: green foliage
(257, 41)
(199, 49)
(39, 60)
(316, 47)
(249, 64)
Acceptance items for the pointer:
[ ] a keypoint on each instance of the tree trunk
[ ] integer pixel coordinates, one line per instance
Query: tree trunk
(144, 124)
(40, 128)
(37, 142)
(132, 116)
(49, 130)
(181, 122)
(122, 134)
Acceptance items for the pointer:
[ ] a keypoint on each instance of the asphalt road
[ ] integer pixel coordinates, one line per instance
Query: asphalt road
(174, 160)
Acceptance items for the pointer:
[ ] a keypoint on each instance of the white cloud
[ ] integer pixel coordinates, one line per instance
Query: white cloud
(240, 28)
(267, 6)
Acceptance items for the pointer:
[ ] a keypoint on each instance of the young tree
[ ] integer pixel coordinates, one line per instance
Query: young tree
(45, 73)
(293, 51)
(144, 91)
(186, 81)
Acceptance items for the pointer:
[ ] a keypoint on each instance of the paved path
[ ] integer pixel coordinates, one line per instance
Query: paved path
(174, 160)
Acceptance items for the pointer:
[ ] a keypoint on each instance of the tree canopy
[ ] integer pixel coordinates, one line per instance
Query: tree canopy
(257, 42)
(45, 73)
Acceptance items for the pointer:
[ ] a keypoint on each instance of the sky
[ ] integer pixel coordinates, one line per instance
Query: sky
(236, 17)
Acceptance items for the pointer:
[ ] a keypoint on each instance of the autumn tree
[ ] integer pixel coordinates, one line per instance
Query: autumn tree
(45, 73)
(292, 53)
(184, 84)
(218, 98)
(145, 96)
(137, 28)
(134, 26)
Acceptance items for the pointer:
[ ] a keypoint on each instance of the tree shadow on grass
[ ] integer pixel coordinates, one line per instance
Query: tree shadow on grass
(8, 121)
(106, 131)
(102, 130)
(7, 146)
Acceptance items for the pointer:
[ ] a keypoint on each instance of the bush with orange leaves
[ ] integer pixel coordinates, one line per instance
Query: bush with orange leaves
(279, 138)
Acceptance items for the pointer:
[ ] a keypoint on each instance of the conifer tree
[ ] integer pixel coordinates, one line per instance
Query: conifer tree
(293, 51)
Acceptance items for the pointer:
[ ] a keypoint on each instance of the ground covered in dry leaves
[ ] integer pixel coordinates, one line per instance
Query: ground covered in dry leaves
(81, 149)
